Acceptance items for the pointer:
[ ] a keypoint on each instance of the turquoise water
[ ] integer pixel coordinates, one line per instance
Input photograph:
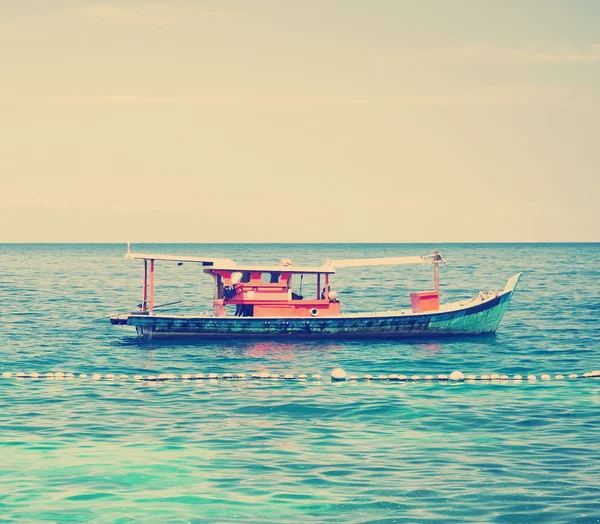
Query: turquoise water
(316, 451)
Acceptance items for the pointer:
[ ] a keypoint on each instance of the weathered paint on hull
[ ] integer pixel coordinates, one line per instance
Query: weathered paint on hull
(481, 318)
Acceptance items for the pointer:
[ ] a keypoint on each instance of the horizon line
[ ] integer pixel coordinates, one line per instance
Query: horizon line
(314, 242)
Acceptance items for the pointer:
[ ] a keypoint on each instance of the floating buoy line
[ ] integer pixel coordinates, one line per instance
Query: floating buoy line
(337, 375)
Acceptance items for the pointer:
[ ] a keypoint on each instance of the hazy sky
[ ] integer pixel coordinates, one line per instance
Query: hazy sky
(299, 121)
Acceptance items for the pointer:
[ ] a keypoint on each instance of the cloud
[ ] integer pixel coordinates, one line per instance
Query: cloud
(590, 54)
(17, 32)
(530, 54)
(492, 95)
(483, 96)
(114, 13)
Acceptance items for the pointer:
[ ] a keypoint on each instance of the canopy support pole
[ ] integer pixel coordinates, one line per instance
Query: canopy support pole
(145, 299)
(436, 272)
(151, 305)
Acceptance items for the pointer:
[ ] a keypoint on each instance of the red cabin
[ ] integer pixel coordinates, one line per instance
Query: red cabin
(268, 292)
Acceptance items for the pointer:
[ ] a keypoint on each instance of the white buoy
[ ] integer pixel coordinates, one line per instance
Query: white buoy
(69, 376)
(456, 376)
(185, 377)
(545, 377)
(213, 376)
(162, 376)
(415, 377)
(241, 376)
(123, 377)
(171, 376)
(83, 375)
(316, 376)
(531, 378)
(288, 377)
(20, 374)
(264, 375)
(503, 377)
(368, 377)
(151, 378)
(428, 377)
(96, 376)
(393, 376)
(402, 378)
(587, 375)
(485, 377)
(353, 377)
(59, 375)
(274, 376)
(559, 377)
(7, 374)
(382, 377)
(494, 376)
(573, 375)
(517, 377)
(302, 376)
(595, 373)
(442, 377)
(35, 374)
(110, 376)
(49, 375)
(338, 374)
(138, 377)
(471, 378)
(227, 376)
(200, 376)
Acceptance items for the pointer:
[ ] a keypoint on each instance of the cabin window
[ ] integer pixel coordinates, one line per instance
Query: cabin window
(246, 276)
(306, 286)
(270, 278)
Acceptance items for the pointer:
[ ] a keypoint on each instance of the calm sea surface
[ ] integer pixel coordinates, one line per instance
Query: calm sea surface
(124, 451)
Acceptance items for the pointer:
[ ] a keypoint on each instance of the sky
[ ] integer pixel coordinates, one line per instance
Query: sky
(299, 121)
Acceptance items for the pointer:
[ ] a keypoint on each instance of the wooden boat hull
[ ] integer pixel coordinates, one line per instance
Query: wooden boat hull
(481, 315)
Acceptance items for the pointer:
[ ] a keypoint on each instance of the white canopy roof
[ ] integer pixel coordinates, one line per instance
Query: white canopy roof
(328, 267)
(356, 262)
(207, 261)
(227, 264)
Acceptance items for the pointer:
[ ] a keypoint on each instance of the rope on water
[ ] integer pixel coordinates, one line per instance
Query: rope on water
(163, 377)
(337, 375)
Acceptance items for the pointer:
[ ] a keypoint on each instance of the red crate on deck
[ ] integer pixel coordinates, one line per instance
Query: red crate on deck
(425, 301)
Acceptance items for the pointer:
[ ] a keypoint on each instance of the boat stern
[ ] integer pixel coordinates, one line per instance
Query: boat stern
(122, 319)
(119, 320)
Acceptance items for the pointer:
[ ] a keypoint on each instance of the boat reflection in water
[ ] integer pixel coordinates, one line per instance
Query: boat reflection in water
(283, 351)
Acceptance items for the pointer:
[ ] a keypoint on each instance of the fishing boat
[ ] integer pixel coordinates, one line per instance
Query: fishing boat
(259, 301)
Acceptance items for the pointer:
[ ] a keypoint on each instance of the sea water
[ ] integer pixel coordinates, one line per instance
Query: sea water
(82, 450)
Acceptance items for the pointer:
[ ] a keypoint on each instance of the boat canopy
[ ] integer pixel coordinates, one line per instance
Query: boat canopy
(391, 261)
(205, 261)
(329, 267)
(226, 264)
